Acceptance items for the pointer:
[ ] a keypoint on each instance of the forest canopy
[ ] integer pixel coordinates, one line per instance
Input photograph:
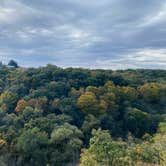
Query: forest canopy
(62, 117)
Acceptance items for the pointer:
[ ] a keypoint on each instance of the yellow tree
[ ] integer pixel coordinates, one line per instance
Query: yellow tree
(129, 93)
(150, 92)
(89, 104)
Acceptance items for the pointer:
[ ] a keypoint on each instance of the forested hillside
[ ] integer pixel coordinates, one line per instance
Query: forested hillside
(50, 116)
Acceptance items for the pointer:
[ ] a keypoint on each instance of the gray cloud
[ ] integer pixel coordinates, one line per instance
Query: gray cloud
(106, 34)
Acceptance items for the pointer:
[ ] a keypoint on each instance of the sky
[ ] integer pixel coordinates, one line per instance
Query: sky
(107, 34)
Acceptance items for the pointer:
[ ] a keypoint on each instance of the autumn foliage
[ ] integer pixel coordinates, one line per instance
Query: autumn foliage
(20, 105)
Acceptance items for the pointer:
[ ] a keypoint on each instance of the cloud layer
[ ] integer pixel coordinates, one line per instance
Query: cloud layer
(110, 34)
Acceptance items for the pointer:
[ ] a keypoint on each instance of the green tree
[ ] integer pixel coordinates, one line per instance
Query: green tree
(31, 147)
(8, 101)
(137, 122)
(65, 145)
(105, 151)
(13, 63)
(88, 125)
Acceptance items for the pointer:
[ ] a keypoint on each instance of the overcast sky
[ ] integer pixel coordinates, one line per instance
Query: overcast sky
(109, 34)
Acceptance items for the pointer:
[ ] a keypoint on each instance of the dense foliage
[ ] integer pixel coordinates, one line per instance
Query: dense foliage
(51, 116)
